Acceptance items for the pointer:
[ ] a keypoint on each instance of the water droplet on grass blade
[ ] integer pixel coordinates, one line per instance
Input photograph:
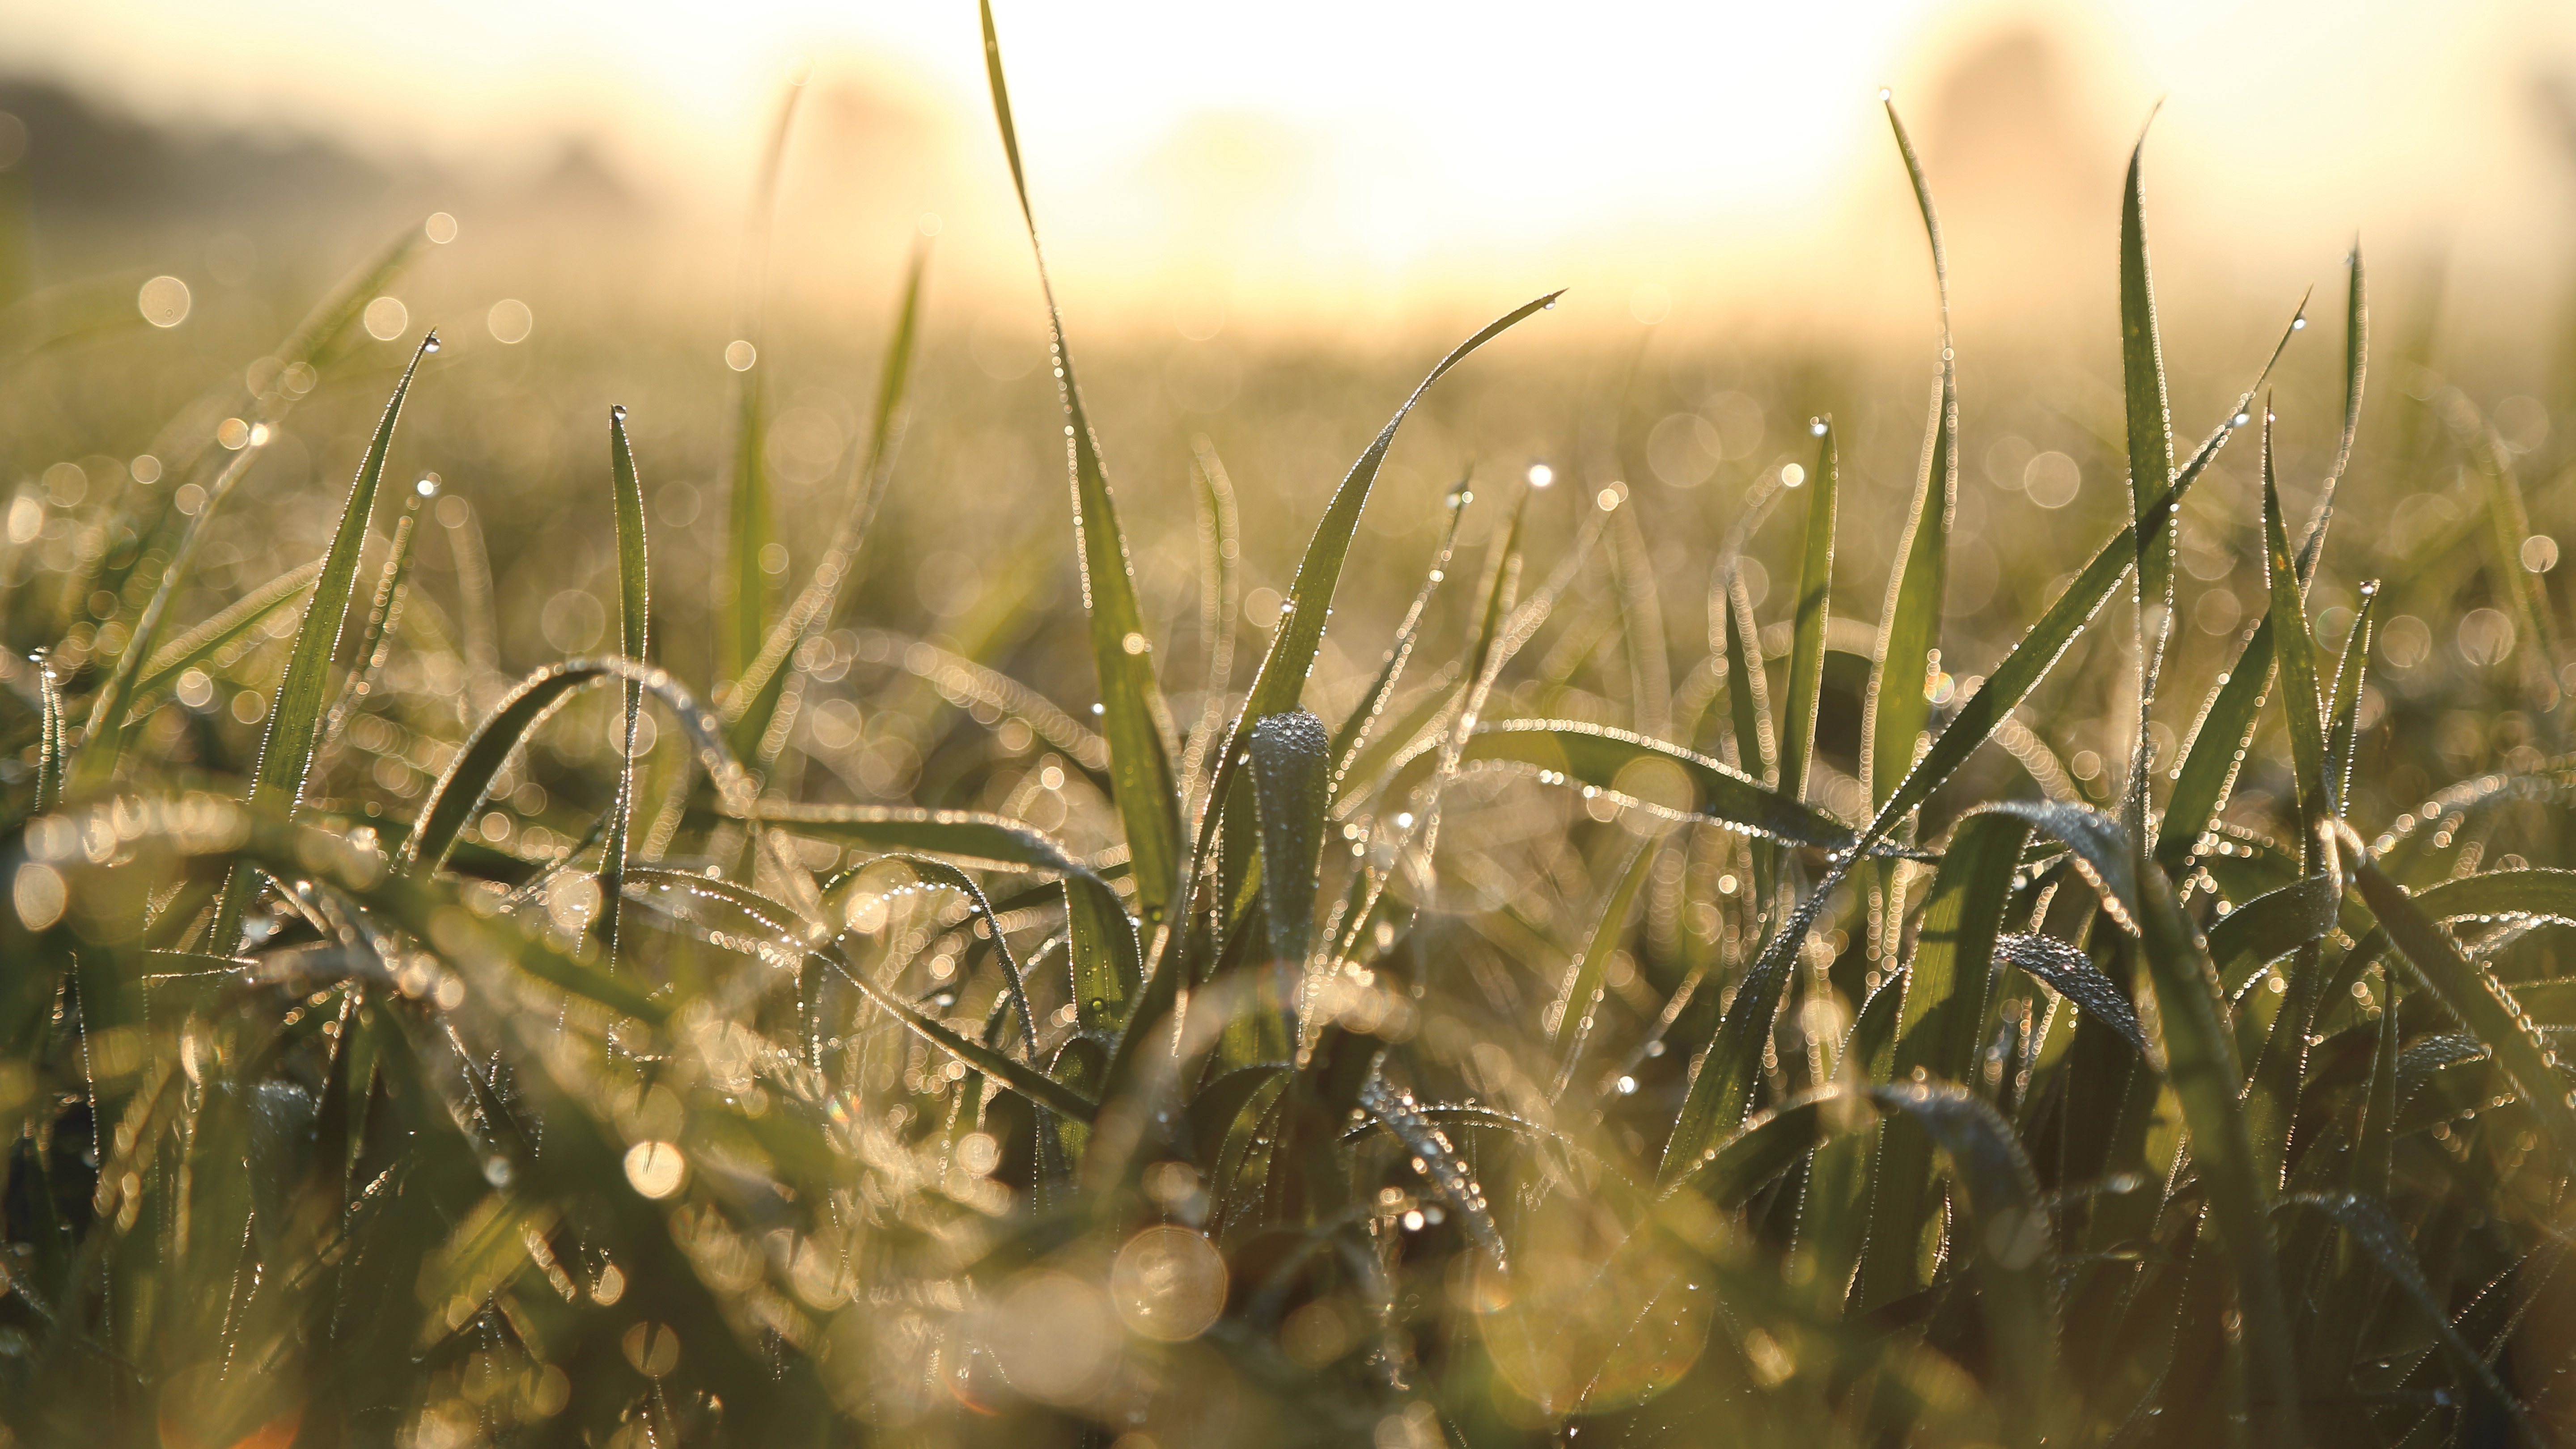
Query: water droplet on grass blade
(2298, 324)
(431, 342)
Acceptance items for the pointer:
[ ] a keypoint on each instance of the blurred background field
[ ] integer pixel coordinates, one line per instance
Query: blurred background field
(1220, 279)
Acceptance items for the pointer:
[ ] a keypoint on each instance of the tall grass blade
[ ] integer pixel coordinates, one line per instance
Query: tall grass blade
(1910, 629)
(1108, 967)
(745, 593)
(52, 749)
(2356, 366)
(1291, 787)
(2071, 974)
(2150, 453)
(384, 615)
(1585, 981)
(635, 642)
(1355, 731)
(1748, 692)
(1807, 635)
(1637, 771)
(294, 719)
(1220, 605)
(209, 640)
(2297, 647)
(1134, 715)
(2343, 710)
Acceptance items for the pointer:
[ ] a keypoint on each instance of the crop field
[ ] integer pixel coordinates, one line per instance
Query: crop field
(1535, 888)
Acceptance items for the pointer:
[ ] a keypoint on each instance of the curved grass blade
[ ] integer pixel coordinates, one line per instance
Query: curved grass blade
(2482, 1003)
(2098, 848)
(1584, 983)
(2344, 712)
(2271, 926)
(461, 791)
(219, 633)
(970, 835)
(1437, 1162)
(1807, 636)
(1910, 632)
(1939, 1021)
(1135, 717)
(1108, 966)
(217, 473)
(635, 642)
(384, 614)
(752, 706)
(744, 592)
(1354, 733)
(1651, 774)
(2072, 974)
(294, 719)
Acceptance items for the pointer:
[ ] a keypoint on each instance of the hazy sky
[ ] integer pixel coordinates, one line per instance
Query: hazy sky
(1423, 129)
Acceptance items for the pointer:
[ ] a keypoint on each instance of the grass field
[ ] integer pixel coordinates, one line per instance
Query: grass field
(1690, 898)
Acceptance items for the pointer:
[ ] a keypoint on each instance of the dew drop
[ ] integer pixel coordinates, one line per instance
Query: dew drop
(2298, 324)
(2240, 420)
(618, 412)
(430, 343)
(1816, 426)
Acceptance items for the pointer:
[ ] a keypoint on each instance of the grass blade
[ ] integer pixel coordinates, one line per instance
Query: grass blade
(1910, 631)
(2297, 647)
(2072, 974)
(1221, 606)
(286, 749)
(635, 642)
(1108, 968)
(1584, 983)
(1641, 772)
(2344, 711)
(1291, 788)
(1747, 689)
(744, 591)
(219, 633)
(384, 614)
(1134, 715)
(2150, 450)
(51, 748)
(1807, 636)
(2356, 363)
(1354, 733)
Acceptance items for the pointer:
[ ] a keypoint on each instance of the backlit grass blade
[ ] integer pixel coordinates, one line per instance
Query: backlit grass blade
(2343, 711)
(1355, 731)
(1220, 605)
(2482, 1003)
(753, 705)
(384, 614)
(2508, 525)
(1584, 981)
(51, 747)
(295, 718)
(1134, 716)
(2297, 647)
(1939, 1022)
(2270, 926)
(1665, 778)
(2375, 1147)
(216, 472)
(461, 791)
(1108, 968)
(2195, 1049)
(1910, 628)
(745, 590)
(635, 642)
(967, 835)
(1748, 691)
(2150, 452)
(2356, 364)
(2072, 974)
(1807, 635)
(210, 639)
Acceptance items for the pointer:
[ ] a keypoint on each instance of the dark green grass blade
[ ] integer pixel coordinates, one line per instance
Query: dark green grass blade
(2482, 1003)
(1650, 773)
(1583, 985)
(217, 473)
(1939, 1020)
(634, 641)
(2367, 1221)
(294, 719)
(1747, 690)
(460, 792)
(2195, 1049)
(2376, 1146)
(1135, 718)
(744, 593)
(1355, 731)
(2297, 649)
(2343, 713)
(1910, 627)
(1807, 637)
(753, 705)
(2271, 926)
(219, 633)
(2356, 364)
(1291, 789)
(2150, 451)
(1108, 968)
(2073, 975)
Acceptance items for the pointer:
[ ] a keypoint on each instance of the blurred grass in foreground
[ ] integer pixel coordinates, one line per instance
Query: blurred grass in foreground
(1678, 913)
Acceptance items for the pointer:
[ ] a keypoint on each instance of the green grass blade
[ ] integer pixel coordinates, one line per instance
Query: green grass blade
(2344, 710)
(2482, 1003)
(1135, 718)
(2356, 364)
(635, 642)
(1939, 1020)
(2376, 1146)
(1108, 968)
(219, 633)
(1637, 771)
(461, 791)
(217, 472)
(2150, 453)
(744, 592)
(294, 719)
(753, 705)
(51, 748)
(384, 613)
(965, 835)
(1910, 627)
(1221, 606)
(2297, 648)
(1584, 984)
(1291, 787)
(2271, 926)
(1807, 637)
(2211, 763)
(1747, 689)
(1354, 733)
(2196, 1052)
(2508, 524)
(2072, 974)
